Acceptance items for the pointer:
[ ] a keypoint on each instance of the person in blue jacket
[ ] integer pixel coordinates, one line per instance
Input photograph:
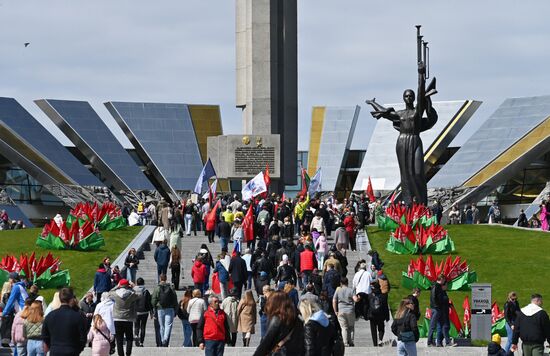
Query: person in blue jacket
(102, 282)
(18, 295)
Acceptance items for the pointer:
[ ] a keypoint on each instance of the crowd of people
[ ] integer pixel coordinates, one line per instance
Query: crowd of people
(290, 286)
(7, 224)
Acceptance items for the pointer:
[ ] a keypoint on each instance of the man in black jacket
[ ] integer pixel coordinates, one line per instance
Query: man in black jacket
(224, 232)
(64, 329)
(238, 272)
(436, 305)
(533, 327)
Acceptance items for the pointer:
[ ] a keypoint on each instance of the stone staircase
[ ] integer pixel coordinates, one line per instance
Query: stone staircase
(190, 247)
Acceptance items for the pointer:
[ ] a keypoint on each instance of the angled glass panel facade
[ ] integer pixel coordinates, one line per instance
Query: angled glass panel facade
(509, 123)
(83, 126)
(22, 123)
(337, 132)
(380, 162)
(163, 135)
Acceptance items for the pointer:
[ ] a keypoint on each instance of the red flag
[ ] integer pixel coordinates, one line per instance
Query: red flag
(496, 314)
(211, 217)
(267, 178)
(467, 311)
(453, 317)
(248, 225)
(370, 192)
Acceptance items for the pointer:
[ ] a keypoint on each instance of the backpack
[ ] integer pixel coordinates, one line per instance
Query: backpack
(165, 296)
(375, 303)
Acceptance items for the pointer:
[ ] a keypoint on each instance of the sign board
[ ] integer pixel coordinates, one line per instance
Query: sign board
(244, 156)
(481, 311)
(481, 297)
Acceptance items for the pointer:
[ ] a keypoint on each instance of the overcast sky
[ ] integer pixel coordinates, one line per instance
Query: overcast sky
(183, 51)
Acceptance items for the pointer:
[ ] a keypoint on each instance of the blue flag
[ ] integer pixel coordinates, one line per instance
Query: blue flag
(206, 173)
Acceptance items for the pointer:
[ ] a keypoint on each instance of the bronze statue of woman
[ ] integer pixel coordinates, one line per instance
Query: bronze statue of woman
(410, 123)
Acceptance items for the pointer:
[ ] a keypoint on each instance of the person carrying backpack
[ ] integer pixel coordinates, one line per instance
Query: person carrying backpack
(144, 308)
(379, 312)
(165, 301)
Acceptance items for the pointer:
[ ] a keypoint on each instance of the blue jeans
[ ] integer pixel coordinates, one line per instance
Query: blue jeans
(187, 333)
(433, 325)
(131, 274)
(213, 348)
(35, 348)
(166, 319)
(443, 327)
(305, 277)
(224, 242)
(509, 334)
(161, 270)
(20, 349)
(406, 348)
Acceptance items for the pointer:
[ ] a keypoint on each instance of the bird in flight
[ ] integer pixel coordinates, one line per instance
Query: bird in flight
(27, 44)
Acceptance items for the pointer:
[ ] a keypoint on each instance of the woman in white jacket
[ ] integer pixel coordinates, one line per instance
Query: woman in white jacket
(195, 308)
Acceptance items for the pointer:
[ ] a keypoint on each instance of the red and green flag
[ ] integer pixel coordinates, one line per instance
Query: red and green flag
(77, 235)
(423, 274)
(44, 272)
(107, 216)
(305, 183)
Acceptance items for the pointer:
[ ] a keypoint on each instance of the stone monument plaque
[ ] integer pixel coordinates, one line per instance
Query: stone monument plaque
(244, 156)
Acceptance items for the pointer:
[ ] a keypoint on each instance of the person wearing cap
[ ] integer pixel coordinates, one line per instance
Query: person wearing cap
(229, 306)
(494, 348)
(64, 329)
(124, 314)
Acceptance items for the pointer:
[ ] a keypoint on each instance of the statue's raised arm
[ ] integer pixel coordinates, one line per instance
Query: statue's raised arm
(380, 111)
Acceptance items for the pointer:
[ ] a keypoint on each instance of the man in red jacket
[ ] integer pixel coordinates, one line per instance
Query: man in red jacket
(308, 263)
(213, 329)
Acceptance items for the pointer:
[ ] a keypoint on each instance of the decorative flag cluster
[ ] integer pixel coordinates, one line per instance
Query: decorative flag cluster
(414, 231)
(76, 235)
(423, 274)
(44, 272)
(105, 217)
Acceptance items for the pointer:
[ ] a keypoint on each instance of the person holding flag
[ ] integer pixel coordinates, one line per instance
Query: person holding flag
(248, 228)
(299, 211)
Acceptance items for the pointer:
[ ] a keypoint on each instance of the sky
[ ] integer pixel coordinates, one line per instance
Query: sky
(184, 51)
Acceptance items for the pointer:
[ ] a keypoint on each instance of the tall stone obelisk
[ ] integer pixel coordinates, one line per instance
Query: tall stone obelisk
(267, 93)
(267, 72)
